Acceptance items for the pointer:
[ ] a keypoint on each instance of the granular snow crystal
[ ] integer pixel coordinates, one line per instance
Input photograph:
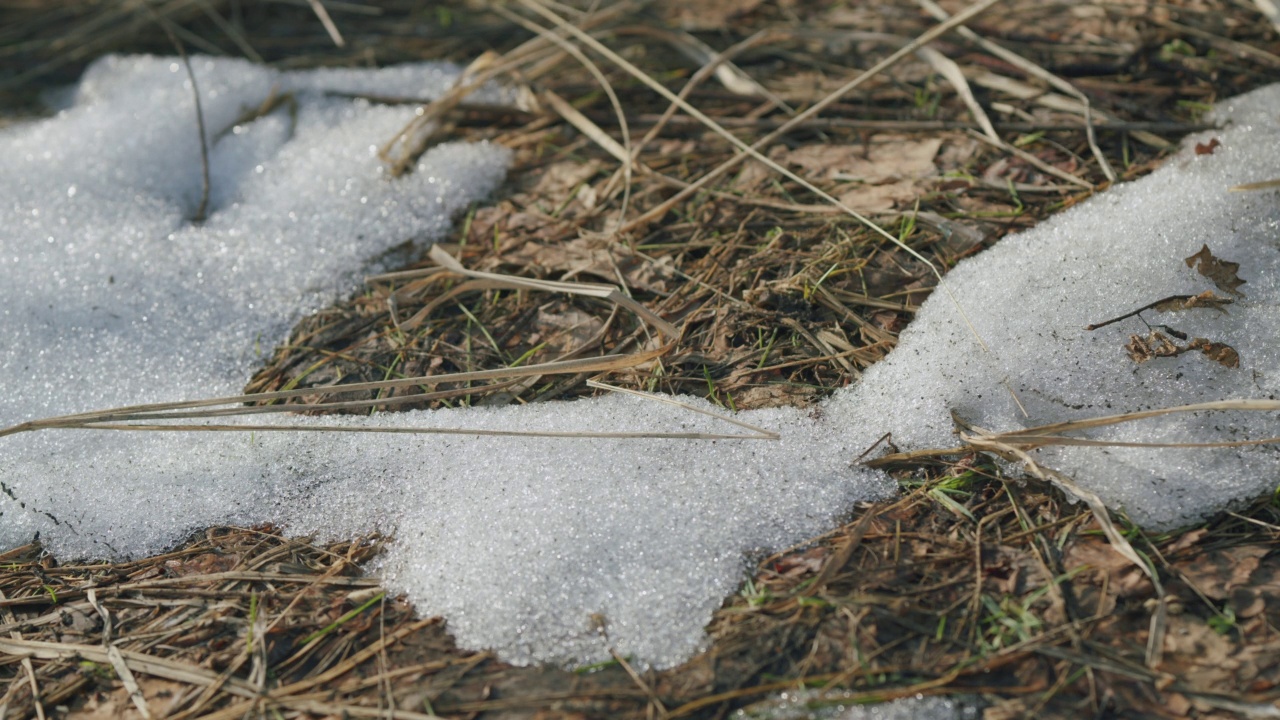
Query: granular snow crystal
(554, 549)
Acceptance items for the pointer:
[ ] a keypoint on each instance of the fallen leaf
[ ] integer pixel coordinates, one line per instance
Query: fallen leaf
(560, 181)
(1217, 572)
(1208, 148)
(1186, 540)
(808, 562)
(1155, 344)
(1221, 272)
(1205, 299)
(880, 198)
(774, 395)
(1247, 602)
(1177, 704)
(1221, 353)
(563, 327)
(753, 175)
(596, 257)
(882, 159)
(706, 15)
(1123, 577)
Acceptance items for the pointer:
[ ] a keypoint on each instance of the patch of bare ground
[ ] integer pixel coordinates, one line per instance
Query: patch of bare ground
(972, 582)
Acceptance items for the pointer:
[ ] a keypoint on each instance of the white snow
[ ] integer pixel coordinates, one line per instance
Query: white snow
(819, 705)
(528, 546)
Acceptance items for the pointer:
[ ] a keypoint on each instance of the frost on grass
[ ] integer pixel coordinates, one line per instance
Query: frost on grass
(554, 550)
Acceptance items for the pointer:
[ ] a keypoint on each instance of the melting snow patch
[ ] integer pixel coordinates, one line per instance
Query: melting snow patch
(551, 549)
(816, 705)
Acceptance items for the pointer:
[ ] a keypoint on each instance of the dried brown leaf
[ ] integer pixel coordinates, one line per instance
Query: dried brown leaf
(1208, 661)
(1155, 344)
(883, 159)
(1205, 299)
(774, 395)
(711, 15)
(1221, 272)
(1123, 577)
(1218, 572)
(1221, 353)
(1186, 540)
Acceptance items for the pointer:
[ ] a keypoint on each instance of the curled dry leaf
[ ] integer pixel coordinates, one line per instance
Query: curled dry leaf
(1205, 299)
(1221, 272)
(1155, 344)
(1221, 353)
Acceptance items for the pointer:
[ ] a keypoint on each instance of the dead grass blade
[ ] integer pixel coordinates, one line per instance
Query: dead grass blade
(758, 38)
(404, 148)
(753, 152)
(1238, 49)
(160, 417)
(1033, 160)
(1155, 639)
(407, 145)
(1270, 10)
(1056, 429)
(733, 78)
(130, 683)
(598, 290)
(1264, 185)
(947, 68)
(581, 122)
(587, 127)
(1034, 70)
(323, 15)
(157, 411)
(1061, 103)
(27, 668)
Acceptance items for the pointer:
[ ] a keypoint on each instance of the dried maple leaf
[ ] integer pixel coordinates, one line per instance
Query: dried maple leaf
(1221, 272)
(1205, 299)
(1208, 148)
(1221, 353)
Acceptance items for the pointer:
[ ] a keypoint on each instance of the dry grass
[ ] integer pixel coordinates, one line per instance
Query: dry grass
(971, 582)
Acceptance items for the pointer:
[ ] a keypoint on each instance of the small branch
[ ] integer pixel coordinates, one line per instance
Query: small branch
(1144, 308)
